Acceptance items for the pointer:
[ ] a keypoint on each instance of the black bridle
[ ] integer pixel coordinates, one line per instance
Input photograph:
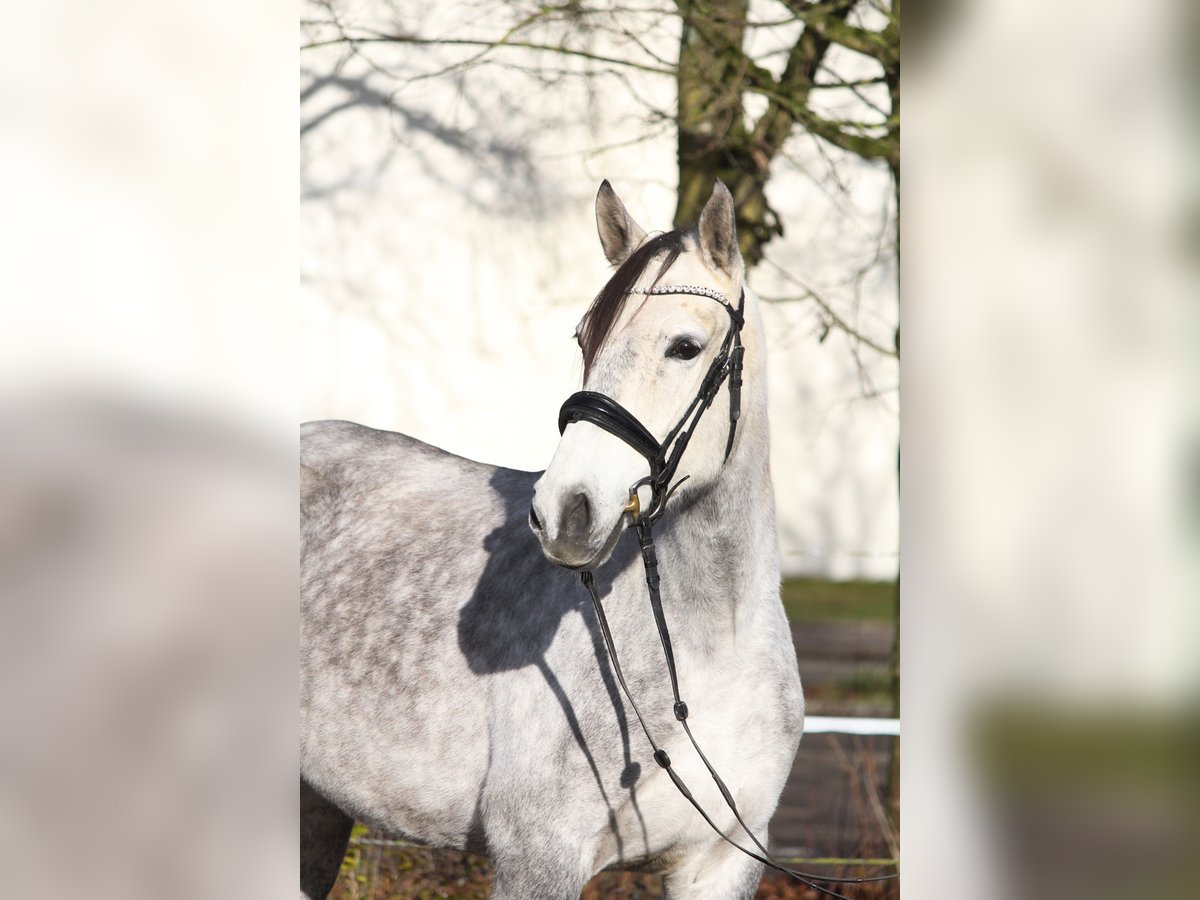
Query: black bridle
(664, 458)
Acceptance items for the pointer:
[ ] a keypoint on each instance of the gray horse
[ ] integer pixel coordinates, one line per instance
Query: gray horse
(455, 688)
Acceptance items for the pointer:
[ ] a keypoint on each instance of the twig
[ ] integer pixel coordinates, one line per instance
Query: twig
(810, 294)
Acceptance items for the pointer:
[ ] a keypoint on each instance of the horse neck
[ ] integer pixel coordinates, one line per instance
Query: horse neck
(741, 502)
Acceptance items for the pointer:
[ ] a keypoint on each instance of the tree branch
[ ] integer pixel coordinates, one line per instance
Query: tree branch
(836, 320)
(488, 45)
(829, 21)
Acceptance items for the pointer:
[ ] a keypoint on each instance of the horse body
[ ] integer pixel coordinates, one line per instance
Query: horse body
(455, 686)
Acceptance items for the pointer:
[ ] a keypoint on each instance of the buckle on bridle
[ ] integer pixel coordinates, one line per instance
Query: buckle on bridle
(660, 493)
(634, 506)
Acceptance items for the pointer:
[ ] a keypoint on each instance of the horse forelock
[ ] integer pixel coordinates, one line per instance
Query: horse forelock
(606, 308)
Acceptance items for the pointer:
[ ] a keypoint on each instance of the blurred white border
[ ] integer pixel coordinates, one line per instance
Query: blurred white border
(148, 527)
(1049, 396)
(149, 171)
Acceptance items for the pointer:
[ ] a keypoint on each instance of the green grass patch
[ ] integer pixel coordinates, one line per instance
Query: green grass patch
(818, 600)
(870, 686)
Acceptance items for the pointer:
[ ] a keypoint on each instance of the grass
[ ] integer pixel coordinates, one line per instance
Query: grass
(817, 600)
(864, 688)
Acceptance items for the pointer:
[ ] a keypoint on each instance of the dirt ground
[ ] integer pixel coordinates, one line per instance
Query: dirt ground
(392, 873)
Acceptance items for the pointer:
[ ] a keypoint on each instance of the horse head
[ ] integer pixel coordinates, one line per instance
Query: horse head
(656, 351)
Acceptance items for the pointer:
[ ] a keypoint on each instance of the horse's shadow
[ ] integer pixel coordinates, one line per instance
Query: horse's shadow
(515, 611)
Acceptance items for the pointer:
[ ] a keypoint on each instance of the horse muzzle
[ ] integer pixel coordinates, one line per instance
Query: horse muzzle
(570, 530)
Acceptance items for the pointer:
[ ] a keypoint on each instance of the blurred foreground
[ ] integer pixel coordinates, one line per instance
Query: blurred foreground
(147, 643)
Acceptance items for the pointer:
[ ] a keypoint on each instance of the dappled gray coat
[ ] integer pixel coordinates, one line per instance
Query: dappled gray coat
(455, 687)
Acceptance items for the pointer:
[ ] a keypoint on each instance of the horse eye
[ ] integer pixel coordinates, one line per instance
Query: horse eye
(683, 349)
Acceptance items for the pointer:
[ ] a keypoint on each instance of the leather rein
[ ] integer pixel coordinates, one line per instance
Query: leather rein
(664, 458)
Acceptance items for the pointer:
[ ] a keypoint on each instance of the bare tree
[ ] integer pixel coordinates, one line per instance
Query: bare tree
(717, 139)
(715, 75)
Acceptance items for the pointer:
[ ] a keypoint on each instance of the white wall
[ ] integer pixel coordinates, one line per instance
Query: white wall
(448, 249)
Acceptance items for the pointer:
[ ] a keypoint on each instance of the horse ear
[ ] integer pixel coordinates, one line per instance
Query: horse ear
(718, 232)
(619, 234)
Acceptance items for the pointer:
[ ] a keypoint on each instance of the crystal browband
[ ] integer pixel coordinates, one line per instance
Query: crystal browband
(696, 289)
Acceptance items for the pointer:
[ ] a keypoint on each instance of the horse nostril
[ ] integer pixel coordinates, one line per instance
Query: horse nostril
(534, 522)
(579, 516)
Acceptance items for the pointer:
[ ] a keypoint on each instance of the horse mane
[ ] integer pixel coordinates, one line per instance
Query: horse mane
(600, 317)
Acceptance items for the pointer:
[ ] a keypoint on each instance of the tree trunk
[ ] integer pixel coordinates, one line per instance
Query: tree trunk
(714, 141)
(891, 72)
